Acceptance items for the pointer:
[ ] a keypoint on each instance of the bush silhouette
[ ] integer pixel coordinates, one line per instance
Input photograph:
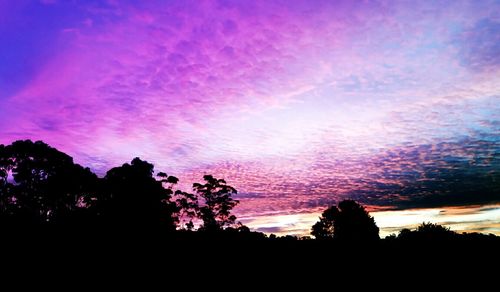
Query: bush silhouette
(427, 231)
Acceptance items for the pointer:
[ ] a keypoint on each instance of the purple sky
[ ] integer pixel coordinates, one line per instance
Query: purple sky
(295, 103)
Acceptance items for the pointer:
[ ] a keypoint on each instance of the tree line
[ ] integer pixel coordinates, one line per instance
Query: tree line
(42, 187)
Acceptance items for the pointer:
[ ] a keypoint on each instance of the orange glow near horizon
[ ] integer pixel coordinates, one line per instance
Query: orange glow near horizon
(482, 219)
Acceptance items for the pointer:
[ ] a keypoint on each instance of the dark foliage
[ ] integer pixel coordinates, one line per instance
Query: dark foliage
(216, 212)
(349, 221)
(427, 231)
(132, 197)
(41, 185)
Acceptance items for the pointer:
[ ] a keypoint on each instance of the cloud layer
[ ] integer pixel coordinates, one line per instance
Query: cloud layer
(296, 103)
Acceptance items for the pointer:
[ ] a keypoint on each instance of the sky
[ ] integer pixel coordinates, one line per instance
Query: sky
(297, 104)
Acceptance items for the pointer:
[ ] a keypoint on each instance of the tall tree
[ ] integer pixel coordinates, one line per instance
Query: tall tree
(349, 221)
(41, 185)
(218, 203)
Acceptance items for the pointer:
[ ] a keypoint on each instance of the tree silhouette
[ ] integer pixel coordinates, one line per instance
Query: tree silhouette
(324, 228)
(218, 203)
(131, 196)
(41, 185)
(349, 221)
